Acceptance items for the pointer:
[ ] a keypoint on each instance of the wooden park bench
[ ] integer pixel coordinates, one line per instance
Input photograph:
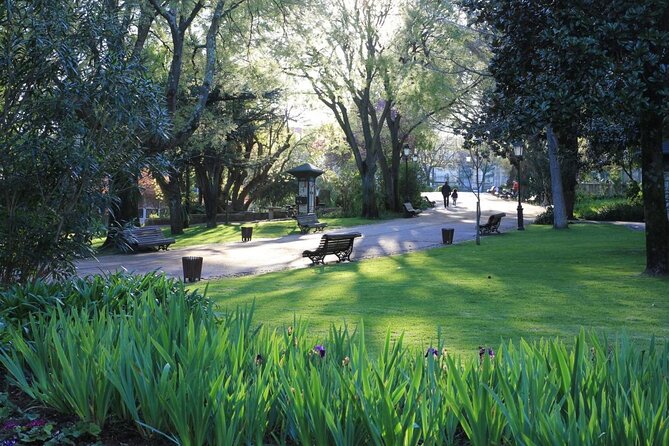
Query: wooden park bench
(409, 211)
(493, 224)
(309, 221)
(146, 237)
(430, 203)
(340, 245)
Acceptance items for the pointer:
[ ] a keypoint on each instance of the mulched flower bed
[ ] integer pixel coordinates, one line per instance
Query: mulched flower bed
(24, 422)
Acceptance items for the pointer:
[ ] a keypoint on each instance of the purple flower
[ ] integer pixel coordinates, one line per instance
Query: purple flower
(36, 423)
(320, 350)
(483, 351)
(10, 425)
(432, 351)
(10, 442)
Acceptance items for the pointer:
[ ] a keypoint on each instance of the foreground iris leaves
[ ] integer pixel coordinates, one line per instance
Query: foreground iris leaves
(167, 363)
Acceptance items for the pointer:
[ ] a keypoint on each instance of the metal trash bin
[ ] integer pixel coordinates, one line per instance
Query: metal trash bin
(192, 268)
(447, 235)
(247, 232)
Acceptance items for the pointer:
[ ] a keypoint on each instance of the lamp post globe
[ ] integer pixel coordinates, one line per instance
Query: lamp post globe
(518, 153)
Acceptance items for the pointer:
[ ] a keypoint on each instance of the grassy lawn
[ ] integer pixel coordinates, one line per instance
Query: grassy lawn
(201, 235)
(532, 284)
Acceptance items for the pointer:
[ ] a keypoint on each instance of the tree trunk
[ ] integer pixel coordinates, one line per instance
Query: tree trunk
(559, 210)
(126, 209)
(654, 204)
(392, 182)
(209, 181)
(478, 219)
(125, 186)
(390, 187)
(369, 207)
(569, 167)
(172, 190)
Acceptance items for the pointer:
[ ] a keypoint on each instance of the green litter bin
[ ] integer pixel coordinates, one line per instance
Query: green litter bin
(247, 232)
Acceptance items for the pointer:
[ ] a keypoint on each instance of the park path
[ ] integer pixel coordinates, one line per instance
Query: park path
(384, 238)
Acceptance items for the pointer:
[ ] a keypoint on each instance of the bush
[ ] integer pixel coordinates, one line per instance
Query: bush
(622, 211)
(545, 218)
(634, 194)
(200, 380)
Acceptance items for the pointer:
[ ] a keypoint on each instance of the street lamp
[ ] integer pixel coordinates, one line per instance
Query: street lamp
(518, 152)
(406, 152)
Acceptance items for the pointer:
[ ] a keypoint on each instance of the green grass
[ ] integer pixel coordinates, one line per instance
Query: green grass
(201, 235)
(538, 283)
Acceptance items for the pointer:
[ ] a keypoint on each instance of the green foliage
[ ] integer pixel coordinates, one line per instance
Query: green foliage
(197, 380)
(634, 194)
(582, 70)
(609, 209)
(347, 195)
(29, 427)
(113, 294)
(545, 218)
(623, 211)
(74, 105)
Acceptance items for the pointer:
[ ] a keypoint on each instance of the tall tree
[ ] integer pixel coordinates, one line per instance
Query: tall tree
(178, 18)
(237, 149)
(340, 52)
(436, 65)
(74, 104)
(382, 68)
(557, 64)
(198, 46)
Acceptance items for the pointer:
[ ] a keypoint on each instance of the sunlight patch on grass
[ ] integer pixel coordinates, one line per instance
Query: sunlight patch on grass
(542, 283)
(201, 235)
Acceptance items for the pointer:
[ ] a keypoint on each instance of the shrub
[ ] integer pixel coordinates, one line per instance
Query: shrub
(545, 218)
(634, 194)
(623, 211)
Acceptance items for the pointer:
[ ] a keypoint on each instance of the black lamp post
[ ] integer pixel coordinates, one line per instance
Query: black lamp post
(518, 152)
(406, 152)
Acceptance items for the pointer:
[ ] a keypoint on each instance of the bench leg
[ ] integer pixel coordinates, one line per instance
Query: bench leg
(344, 255)
(316, 259)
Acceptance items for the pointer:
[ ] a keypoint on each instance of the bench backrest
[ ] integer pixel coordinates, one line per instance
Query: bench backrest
(146, 231)
(495, 219)
(491, 220)
(337, 242)
(308, 219)
(146, 235)
(409, 207)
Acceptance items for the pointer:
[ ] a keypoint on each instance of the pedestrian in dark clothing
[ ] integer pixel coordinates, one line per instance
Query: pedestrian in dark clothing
(454, 196)
(446, 192)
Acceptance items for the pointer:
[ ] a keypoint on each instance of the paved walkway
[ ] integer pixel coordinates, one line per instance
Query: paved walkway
(379, 239)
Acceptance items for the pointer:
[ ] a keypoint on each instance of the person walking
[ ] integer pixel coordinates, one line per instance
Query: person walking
(454, 196)
(446, 192)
